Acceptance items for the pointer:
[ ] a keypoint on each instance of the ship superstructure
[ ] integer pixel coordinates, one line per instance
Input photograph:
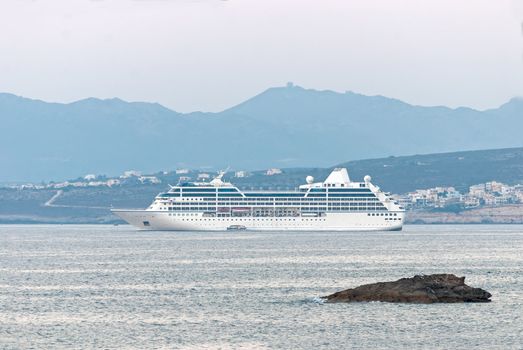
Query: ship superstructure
(336, 204)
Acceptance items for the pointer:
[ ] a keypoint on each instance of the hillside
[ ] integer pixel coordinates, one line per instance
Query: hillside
(283, 127)
(392, 174)
(408, 173)
(458, 169)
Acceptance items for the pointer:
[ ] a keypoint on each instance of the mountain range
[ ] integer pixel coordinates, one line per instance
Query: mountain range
(281, 127)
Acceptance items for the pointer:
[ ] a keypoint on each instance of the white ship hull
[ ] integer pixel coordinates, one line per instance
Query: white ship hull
(164, 221)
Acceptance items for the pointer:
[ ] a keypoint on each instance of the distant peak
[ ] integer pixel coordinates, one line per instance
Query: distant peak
(8, 95)
(289, 87)
(88, 99)
(514, 102)
(99, 100)
(517, 99)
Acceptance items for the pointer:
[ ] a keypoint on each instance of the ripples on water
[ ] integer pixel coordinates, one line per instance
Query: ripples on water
(114, 287)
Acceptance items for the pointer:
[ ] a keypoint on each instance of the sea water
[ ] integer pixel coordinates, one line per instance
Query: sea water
(113, 287)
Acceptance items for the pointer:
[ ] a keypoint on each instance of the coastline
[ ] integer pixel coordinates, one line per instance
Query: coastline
(507, 214)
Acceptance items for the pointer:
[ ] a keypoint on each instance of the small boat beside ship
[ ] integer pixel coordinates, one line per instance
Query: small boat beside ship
(236, 228)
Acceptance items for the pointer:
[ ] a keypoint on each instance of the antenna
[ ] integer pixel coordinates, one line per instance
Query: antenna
(217, 181)
(222, 172)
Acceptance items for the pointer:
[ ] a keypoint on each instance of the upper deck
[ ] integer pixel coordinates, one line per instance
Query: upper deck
(337, 192)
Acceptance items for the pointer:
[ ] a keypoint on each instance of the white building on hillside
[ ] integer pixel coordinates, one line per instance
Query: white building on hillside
(240, 174)
(130, 173)
(113, 182)
(149, 179)
(273, 171)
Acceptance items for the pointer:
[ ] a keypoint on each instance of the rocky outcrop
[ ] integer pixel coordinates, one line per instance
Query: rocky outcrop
(439, 288)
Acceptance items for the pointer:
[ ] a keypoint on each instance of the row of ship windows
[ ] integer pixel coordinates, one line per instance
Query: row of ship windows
(369, 214)
(310, 201)
(262, 219)
(199, 199)
(203, 190)
(382, 214)
(236, 195)
(282, 204)
(234, 190)
(323, 190)
(303, 209)
(290, 205)
(269, 205)
(251, 218)
(223, 202)
(330, 205)
(243, 199)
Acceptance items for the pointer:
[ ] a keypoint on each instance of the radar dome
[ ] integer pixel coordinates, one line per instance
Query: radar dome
(217, 182)
(367, 178)
(309, 179)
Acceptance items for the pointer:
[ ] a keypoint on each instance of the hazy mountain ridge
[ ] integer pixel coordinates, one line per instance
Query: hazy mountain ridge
(283, 127)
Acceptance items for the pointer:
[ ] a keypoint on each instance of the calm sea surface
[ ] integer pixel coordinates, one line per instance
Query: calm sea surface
(113, 287)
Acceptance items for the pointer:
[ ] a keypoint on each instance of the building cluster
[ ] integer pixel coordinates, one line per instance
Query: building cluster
(134, 176)
(65, 184)
(91, 180)
(487, 194)
(188, 175)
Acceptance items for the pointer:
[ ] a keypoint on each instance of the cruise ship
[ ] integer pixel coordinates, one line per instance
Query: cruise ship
(336, 204)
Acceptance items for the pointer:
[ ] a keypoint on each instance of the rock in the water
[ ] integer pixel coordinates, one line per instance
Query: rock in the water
(439, 288)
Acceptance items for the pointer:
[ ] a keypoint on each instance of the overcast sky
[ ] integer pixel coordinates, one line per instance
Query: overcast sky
(210, 54)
